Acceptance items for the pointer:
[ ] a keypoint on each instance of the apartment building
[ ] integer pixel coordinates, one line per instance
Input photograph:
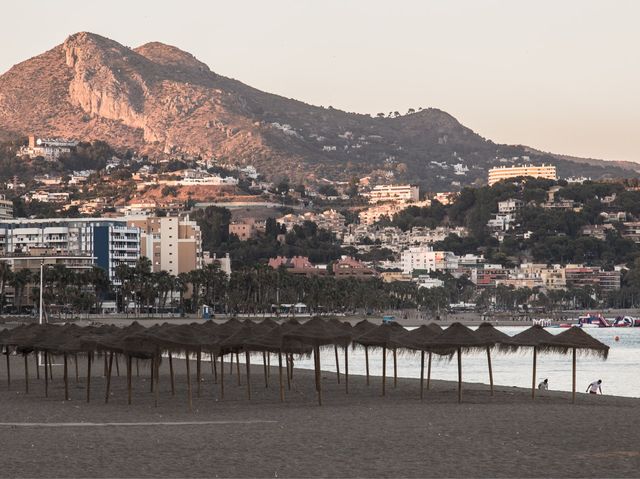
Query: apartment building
(172, 243)
(244, 229)
(505, 172)
(49, 148)
(394, 193)
(6, 208)
(580, 276)
(348, 267)
(424, 258)
(510, 206)
(107, 242)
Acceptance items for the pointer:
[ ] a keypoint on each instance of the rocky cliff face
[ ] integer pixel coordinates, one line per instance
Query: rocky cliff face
(159, 99)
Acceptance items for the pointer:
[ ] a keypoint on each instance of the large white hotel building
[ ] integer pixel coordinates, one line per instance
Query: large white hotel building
(505, 172)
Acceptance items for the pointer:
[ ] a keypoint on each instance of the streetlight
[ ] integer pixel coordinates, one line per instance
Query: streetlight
(41, 311)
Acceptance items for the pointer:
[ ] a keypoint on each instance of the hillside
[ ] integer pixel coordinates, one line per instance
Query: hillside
(160, 100)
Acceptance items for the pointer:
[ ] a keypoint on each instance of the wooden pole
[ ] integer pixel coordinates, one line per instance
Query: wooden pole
(292, 365)
(89, 358)
(109, 367)
(50, 368)
(286, 357)
(533, 378)
(280, 376)
(318, 374)
(395, 369)
(247, 357)
(366, 361)
(214, 368)
(46, 375)
(384, 370)
(490, 369)
(221, 376)
(106, 367)
(231, 366)
(26, 374)
(198, 372)
(238, 368)
(421, 374)
(335, 348)
(346, 369)
(459, 375)
(573, 389)
(173, 382)
(9, 368)
(157, 378)
(150, 374)
(189, 398)
(36, 357)
(266, 369)
(117, 366)
(66, 378)
(75, 362)
(129, 373)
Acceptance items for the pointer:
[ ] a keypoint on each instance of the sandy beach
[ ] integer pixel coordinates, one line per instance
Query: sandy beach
(357, 435)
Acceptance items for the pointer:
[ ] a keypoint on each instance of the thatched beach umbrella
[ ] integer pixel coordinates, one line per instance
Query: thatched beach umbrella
(531, 337)
(419, 339)
(571, 340)
(317, 332)
(383, 336)
(458, 337)
(487, 332)
(360, 328)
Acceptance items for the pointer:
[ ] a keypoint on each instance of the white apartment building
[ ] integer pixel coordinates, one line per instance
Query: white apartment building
(394, 193)
(6, 208)
(505, 172)
(424, 258)
(49, 148)
(510, 206)
(109, 242)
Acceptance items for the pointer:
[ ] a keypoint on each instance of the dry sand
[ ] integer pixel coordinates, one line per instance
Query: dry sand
(357, 435)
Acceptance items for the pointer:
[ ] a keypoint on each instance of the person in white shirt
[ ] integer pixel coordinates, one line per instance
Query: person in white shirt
(544, 385)
(594, 387)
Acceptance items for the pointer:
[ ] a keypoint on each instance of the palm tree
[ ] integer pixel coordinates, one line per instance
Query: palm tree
(5, 277)
(19, 281)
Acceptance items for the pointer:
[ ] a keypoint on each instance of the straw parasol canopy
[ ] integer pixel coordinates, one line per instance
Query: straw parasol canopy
(318, 332)
(575, 338)
(489, 333)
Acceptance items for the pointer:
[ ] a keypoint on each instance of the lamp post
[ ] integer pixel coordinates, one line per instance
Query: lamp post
(41, 318)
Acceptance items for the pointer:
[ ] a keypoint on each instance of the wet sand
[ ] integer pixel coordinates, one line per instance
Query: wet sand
(357, 435)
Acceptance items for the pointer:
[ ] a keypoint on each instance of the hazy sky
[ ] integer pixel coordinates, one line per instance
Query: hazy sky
(558, 75)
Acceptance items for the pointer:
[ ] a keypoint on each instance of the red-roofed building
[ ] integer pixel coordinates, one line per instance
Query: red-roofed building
(297, 265)
(350, 267)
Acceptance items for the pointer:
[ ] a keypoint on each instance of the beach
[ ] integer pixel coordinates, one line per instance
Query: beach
(357, 435)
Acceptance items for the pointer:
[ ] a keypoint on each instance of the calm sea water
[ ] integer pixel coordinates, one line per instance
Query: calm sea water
(620, 373)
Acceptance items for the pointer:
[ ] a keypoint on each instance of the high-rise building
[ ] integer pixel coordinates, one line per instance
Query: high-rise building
(6, 208)
(423, 258)
(536, 171)
(172, 243)
(107, 242)
(394, 193)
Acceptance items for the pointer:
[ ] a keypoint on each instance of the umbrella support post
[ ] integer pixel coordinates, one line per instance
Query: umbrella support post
(573, 388)
(316, 352)
(366, 362)
(286, 357)
(117, 367)
(238, 368)
(129, 380)
(429, 372)
(173, 382)
(335, 348)
(66, 378)
(384, 370)
(280, 376)
(26, 374)
(346, 369)
(9, 368)
(533, 378)
(221, 377)
(189, 398)
(490, 369)
(157, 378)
(50, 368)
(150, 376)
(75, 363)
(421, 374)
(89, 358)
(198, 372)
(266, 369)
(104, 369)
(248, 365)
(46, 376)
(231, 366)
(459, 376)
(395, 369)
(109, 367)
(214, 369)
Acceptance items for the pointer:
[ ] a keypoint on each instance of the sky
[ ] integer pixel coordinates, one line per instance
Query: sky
(558, 75)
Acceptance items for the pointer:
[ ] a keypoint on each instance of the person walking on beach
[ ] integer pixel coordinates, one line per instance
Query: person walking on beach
(544, 385)
(594, 387)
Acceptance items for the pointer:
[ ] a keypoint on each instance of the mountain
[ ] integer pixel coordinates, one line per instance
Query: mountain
(157, 99)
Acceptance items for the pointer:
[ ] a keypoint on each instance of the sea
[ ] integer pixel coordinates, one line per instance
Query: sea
(620, 372)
